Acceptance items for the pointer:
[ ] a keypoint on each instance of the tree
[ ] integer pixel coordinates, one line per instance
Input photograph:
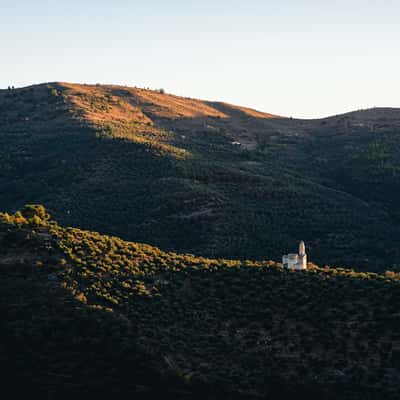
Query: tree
(34, 211)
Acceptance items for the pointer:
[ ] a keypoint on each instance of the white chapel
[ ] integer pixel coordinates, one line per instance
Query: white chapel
(296, 261)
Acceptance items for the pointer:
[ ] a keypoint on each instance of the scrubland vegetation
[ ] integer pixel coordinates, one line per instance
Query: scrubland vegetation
(89, 314)
(138, 163)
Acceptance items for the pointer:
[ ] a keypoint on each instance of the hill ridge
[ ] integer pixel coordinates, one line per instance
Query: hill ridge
(66, 84)
(128, 162)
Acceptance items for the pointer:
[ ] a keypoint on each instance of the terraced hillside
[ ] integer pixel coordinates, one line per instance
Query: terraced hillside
(86, 314)
(202, 177)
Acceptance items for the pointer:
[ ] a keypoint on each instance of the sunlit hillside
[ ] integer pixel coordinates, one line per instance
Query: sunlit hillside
(204, 177)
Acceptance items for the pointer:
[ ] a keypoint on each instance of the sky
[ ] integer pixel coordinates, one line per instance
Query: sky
(299, 58)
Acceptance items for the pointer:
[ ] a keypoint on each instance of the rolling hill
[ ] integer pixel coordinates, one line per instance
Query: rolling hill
(203, 177)
(92, 316)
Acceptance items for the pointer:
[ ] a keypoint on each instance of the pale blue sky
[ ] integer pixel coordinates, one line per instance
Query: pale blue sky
(303, 58)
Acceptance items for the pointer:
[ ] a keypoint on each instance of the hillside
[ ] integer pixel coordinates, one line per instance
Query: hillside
(86, 314)
(169, 171)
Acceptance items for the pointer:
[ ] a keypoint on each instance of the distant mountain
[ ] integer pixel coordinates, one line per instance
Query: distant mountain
(207, 178)
(92, 316)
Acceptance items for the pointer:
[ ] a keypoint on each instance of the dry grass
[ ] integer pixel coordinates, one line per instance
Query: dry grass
(126, 104)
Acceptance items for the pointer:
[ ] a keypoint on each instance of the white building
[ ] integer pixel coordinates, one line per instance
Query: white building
(296, 261)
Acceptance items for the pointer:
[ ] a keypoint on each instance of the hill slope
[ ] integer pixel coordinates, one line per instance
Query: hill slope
(169, 171)
(86, 314)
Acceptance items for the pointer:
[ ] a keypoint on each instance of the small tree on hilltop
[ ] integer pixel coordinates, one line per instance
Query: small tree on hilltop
(35, 212)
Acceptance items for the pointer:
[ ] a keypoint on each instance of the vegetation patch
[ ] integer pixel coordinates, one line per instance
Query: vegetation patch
(200, 326)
